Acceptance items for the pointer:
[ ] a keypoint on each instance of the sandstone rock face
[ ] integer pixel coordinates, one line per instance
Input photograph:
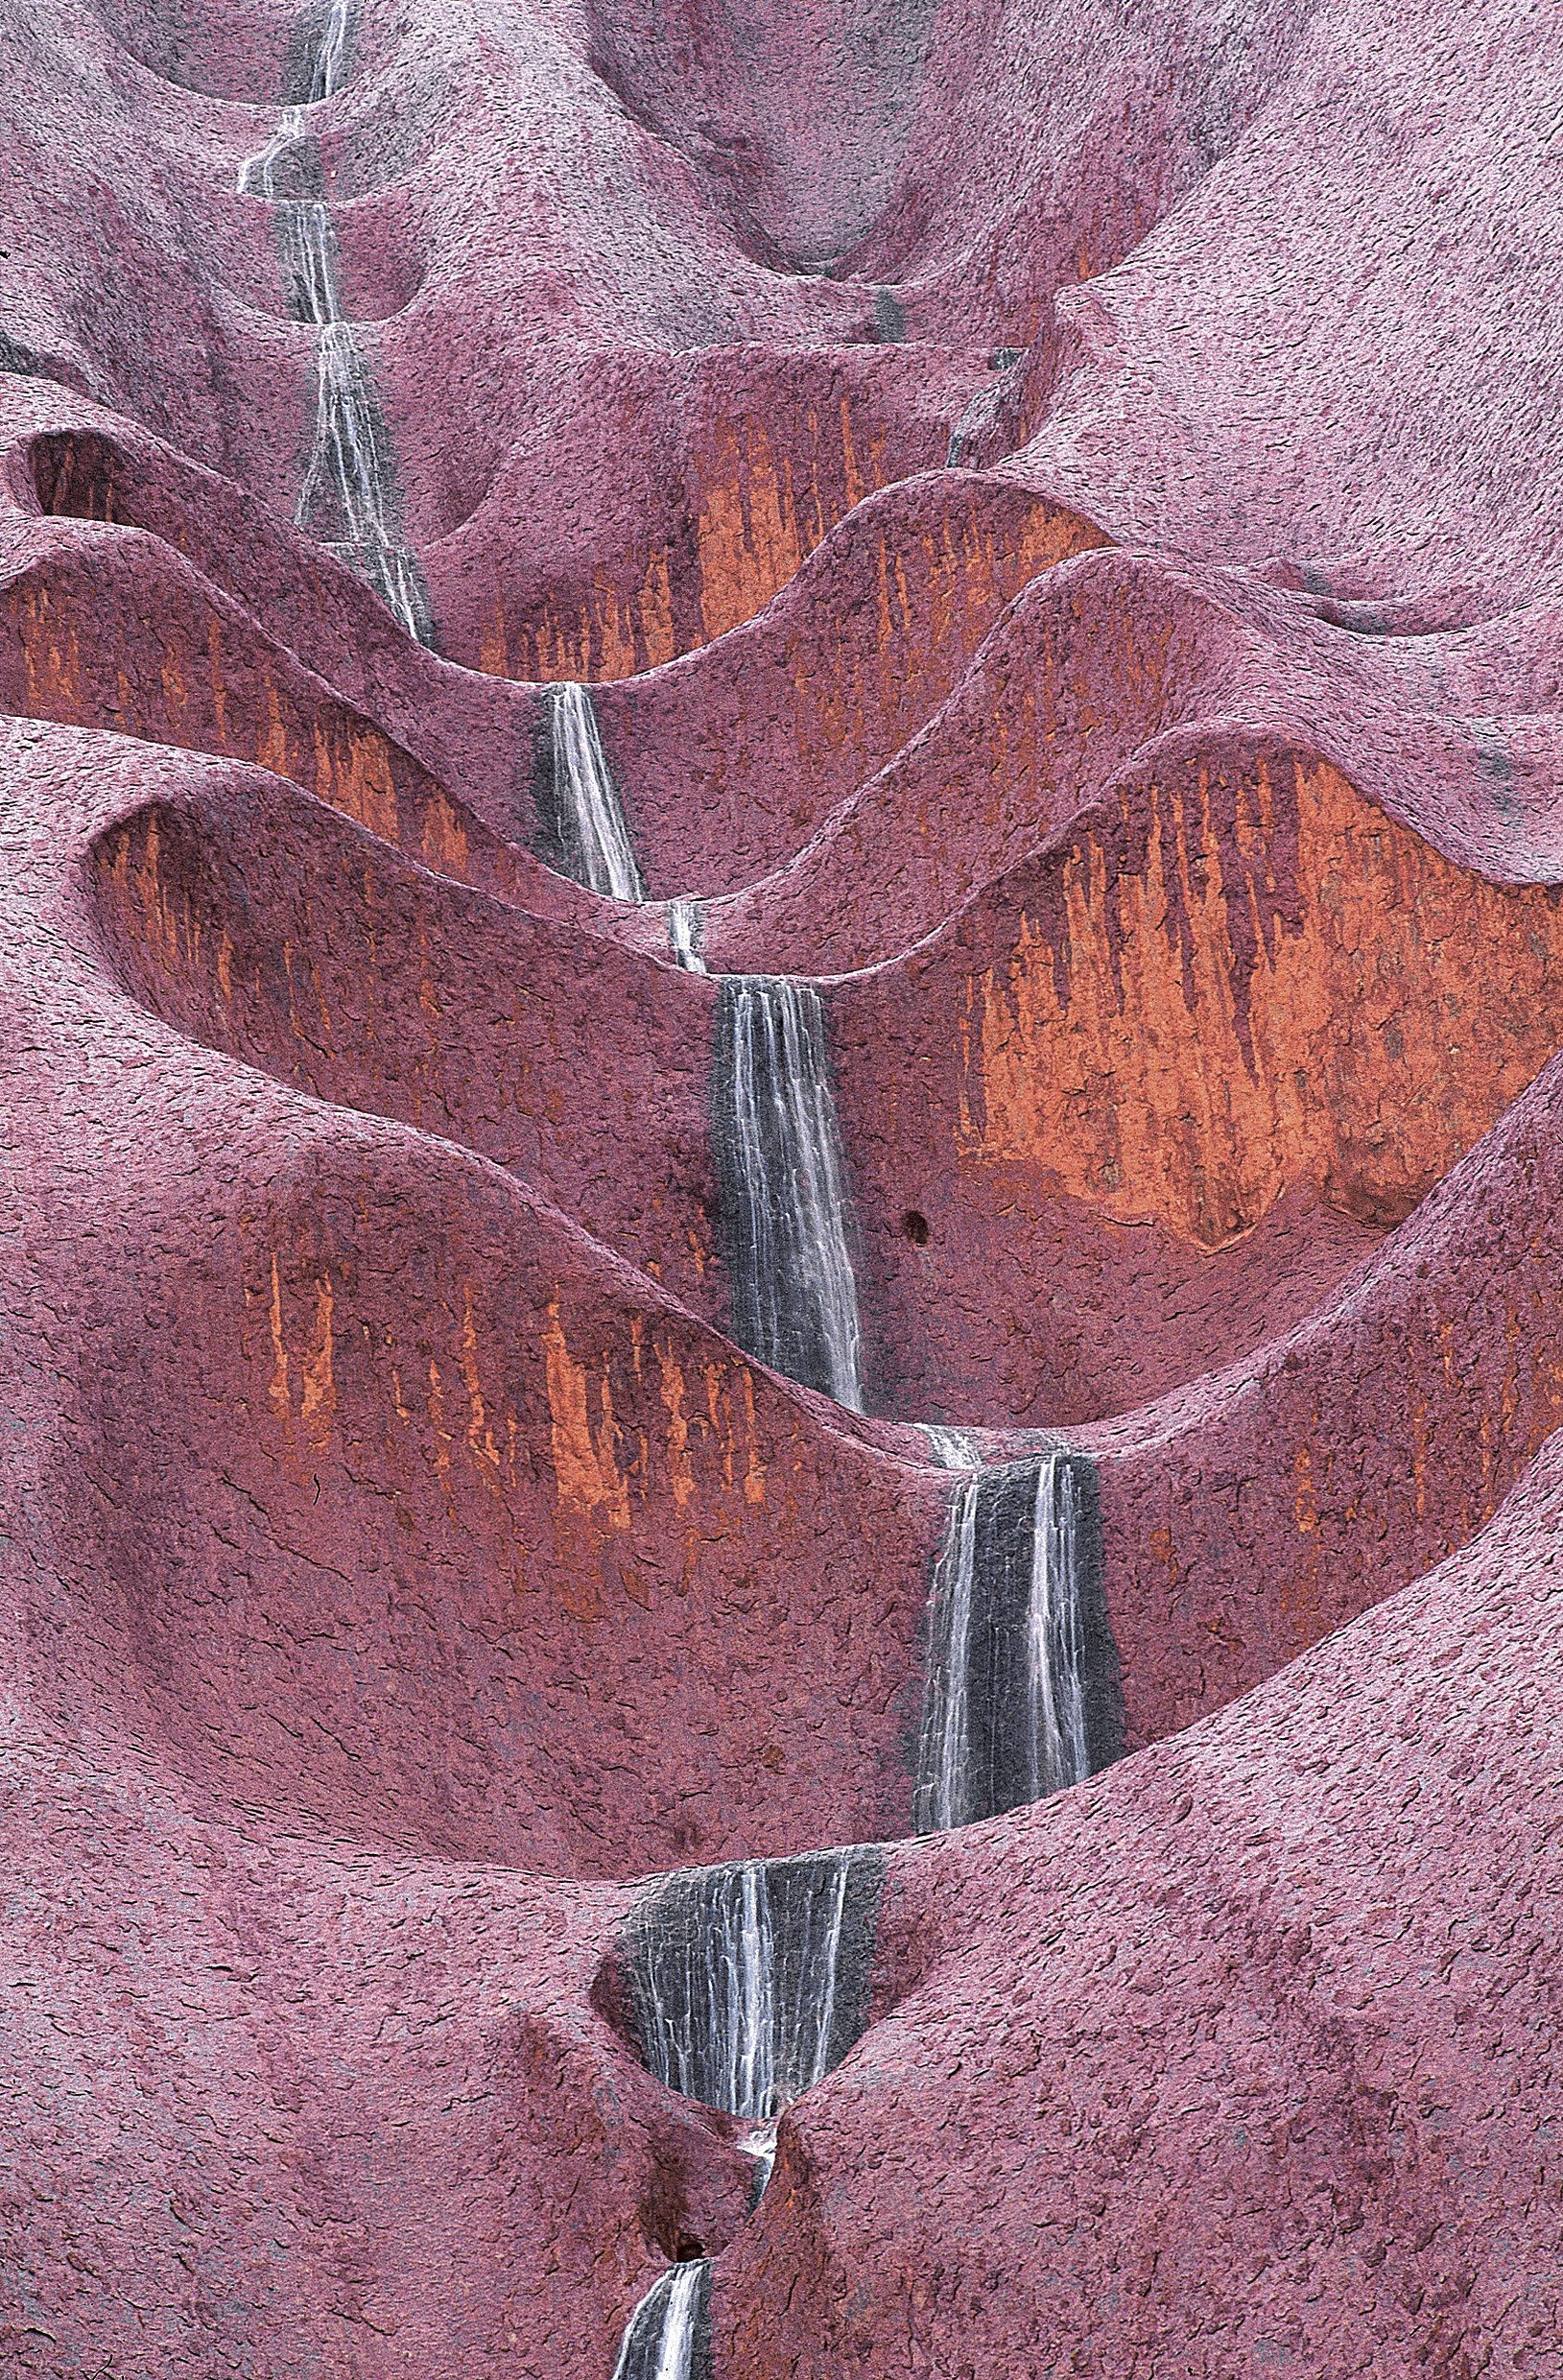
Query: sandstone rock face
(1057, 513)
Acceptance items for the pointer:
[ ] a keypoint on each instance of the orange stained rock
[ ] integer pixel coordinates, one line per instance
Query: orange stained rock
(311, 1365)
(444, 840)
(279, 1389)
(353, 772)
(680, 1469)
(757, 509)
(444, 1441)
(754, 1470)
(317, 1400)
(1249, 979)
(728, 1425)
(51, 652)
(585, 1462)
(347, 761)
(625, 624)
(480, 1435)
(271, 747)
(936, 598)
(753, 527)
(1329, 1495)
(757, 516)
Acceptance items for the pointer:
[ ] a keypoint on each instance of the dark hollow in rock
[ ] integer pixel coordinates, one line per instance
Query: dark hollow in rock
(79, 475)
(1022, 1694)
(741, 1985)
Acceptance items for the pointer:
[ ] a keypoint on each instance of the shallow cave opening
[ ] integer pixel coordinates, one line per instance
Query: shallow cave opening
(79, 474)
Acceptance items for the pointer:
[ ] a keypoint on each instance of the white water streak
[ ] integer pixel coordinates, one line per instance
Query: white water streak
(794, 1223)
(331, 57)
(684, 921)
(314, 260)
(346, 467)
(953, 1450)
(1060, 1755)
(947, 1796)
(581, 780)
(740, 2018)
(758, 2142)
(257, 176)
(749, 1962)
(1053, 1749)
(659, 2341)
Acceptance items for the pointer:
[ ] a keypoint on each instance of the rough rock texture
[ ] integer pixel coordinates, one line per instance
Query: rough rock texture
(1061, 507)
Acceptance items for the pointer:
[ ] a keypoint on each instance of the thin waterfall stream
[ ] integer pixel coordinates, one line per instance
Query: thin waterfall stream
(668, 2337)
(350, 479)
(783, 1207)
(686, 929)
(782, 1184)
(583, 832)
(1022, 1696)
(746, 1983)
(743, 1986)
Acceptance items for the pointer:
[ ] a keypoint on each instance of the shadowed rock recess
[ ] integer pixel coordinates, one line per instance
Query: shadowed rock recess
(780, 1336)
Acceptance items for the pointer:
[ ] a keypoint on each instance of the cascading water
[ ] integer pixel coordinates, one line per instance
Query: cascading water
(258, 176)
(743, 1986)
(1060, 1752)
(1022, 1694)
(349, 483)
(746, 1982)
(349, 476)
(953, 1450)
(329, 64)
(668, 2338)
(583, 832)
(782, 1186)
(685, 929)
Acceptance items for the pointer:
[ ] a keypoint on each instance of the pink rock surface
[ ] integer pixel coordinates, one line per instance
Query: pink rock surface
(1261, 2078)
(400, 1561)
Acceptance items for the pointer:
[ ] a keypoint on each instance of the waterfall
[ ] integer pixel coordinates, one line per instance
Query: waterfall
(666, 2338)
(350, 471)
(685, 931)
(953, 1450)
(258, 174)
(330, 62)
(1060, 1753)
(582, 829)
(1022, 1694)
(747, 1982)
(782, 1186)
(943, 1750)
(350, 477)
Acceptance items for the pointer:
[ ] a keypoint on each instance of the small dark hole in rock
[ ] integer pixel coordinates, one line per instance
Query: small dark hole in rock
(688, 2250)
(914, 1228)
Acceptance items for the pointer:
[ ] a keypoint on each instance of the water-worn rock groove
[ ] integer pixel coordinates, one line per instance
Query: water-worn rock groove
(779, 1347)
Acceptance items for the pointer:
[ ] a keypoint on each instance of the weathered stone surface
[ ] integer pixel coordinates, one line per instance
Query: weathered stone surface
(1059, 509)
